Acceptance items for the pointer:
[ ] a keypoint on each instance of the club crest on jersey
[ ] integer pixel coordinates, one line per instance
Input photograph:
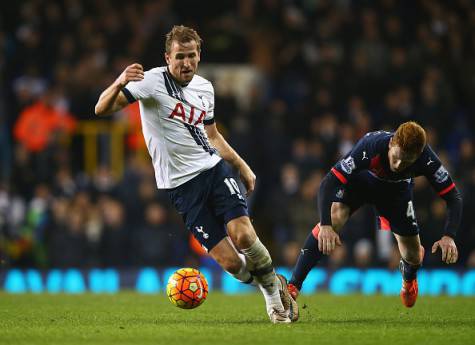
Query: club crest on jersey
(340, 194)
(348, 165)
(199, 229)
(180, 112)
(441, 175)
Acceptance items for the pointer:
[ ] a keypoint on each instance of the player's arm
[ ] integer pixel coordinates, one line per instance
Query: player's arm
(327, 236)
(333, 187)
(227, 152)
(335, 181)
(113, 99)
(443, 184)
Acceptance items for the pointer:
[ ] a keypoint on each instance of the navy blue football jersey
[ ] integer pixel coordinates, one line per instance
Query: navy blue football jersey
(371, 153)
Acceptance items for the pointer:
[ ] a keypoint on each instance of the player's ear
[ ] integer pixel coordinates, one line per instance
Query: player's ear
(167, 58)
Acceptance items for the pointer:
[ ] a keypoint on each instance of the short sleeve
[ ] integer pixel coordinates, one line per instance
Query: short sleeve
(143, 89)
(356, 160)
(436, 173)
(362, 156)
(209, 118)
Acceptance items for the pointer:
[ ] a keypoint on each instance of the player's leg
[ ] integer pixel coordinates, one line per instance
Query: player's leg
(398, 209)
(309, 253)
(358, 191)
(231, 261)
(274, 288)
(230, 206)
(412, 254)
(190, 200)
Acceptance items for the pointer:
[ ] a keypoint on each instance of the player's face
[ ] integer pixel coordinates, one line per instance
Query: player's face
(398, 159)
(183, 60)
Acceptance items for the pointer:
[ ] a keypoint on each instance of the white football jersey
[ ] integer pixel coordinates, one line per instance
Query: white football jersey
(173, 119)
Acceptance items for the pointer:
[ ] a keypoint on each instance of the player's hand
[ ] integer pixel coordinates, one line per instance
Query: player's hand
(248, 178)
(448, 248)
(133, 72)
(328, 239)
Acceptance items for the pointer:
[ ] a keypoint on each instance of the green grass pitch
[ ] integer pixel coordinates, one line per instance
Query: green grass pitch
(130, 318)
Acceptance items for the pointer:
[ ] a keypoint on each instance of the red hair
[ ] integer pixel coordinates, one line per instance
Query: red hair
(410, 137)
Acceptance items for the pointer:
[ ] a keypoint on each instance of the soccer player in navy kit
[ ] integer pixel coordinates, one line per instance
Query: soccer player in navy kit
(192, 162)
(379, 170)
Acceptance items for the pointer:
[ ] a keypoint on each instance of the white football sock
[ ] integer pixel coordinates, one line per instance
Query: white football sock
(264, 273)
(244, 276)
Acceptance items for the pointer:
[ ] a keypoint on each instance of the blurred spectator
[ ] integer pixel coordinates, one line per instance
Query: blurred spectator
(67, 245)
(158, 242)
(39, 124)
(114, 241)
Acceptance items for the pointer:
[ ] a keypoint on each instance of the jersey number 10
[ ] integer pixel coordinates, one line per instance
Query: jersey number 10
(233, 187)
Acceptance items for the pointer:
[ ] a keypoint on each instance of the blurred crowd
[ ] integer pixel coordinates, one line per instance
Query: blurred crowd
(330, 72)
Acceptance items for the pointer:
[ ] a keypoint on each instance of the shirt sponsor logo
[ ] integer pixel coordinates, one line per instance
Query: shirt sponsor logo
(441, 175)
(348, 165)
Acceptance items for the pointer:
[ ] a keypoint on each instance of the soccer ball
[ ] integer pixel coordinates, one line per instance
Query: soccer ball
(187, 288)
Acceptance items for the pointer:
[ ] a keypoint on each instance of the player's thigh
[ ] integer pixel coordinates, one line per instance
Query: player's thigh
(226, 256)
(396, 205)
(208, 229)
(226, 196)
(359, 191)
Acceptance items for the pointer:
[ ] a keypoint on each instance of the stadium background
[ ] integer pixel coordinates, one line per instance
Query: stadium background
(297, 83)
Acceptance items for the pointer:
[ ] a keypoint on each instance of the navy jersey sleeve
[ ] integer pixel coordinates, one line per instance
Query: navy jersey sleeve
(359, 158)
(442, 183)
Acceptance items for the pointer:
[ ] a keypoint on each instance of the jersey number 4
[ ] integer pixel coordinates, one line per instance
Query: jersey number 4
(233, 187)
(410, 211)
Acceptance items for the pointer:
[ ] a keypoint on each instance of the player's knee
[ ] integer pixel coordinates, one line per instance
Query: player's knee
(231, 265)
(241, 232)
(339, 214)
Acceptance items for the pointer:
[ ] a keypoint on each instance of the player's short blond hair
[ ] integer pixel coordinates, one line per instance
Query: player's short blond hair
(410, 137)
(182, 34)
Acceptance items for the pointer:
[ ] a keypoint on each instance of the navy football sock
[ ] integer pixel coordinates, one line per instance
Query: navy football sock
(309, 256)
(408, 271)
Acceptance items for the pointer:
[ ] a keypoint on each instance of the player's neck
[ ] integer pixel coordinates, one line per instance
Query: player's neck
(176, 80)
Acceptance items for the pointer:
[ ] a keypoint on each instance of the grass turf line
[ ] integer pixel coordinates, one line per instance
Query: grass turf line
(131, 318)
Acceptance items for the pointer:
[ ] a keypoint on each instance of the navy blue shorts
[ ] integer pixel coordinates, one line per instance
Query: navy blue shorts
(393, 201)
(208, 202)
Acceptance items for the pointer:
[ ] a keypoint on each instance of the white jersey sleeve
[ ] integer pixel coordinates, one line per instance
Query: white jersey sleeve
(142, 89)
(209, 118)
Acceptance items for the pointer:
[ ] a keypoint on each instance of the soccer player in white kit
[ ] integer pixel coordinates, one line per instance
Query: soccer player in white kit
(190, 158)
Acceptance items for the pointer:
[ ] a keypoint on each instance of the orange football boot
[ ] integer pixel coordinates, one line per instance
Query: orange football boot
(410, 289)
